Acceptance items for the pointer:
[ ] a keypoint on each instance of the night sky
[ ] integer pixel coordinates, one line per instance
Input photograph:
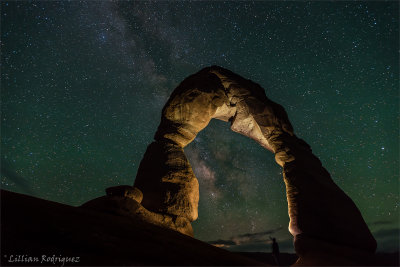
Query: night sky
(83, 85)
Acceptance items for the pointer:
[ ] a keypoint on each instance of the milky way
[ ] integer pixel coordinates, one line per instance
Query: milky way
(83, 85)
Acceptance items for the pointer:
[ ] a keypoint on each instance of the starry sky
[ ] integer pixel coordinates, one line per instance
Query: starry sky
(83, 84)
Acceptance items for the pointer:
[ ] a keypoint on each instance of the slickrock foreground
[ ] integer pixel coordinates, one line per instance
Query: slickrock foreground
(32, 228)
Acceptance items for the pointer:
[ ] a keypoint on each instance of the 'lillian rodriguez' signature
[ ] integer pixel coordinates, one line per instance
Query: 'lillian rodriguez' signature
(43, 259)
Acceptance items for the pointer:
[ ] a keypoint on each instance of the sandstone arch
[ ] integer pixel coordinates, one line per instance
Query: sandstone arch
(320, 212)
(211, 93)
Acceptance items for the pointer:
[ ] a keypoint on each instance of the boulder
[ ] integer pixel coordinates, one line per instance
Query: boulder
(129, 207)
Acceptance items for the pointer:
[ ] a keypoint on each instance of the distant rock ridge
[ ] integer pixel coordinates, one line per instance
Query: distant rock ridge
(323, 219)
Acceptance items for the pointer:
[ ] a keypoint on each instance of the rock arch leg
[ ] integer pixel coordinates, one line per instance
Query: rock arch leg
(323, 219)
(165, 176)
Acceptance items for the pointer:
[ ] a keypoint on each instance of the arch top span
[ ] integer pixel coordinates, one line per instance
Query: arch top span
(318, 209)
(217, 93)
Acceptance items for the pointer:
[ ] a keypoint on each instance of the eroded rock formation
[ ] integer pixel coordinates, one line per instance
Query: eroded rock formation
(211, 93)
(320, 212)
(126, 200)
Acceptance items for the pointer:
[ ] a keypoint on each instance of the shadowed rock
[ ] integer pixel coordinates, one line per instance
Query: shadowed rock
(319, 210)
(37, 228)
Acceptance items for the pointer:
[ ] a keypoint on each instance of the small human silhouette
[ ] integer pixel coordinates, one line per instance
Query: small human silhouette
(275, 251)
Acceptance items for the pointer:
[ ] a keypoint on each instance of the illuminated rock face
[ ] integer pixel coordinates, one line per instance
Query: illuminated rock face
(125, 201)
(318, 208)
(214, 92)
(167, 181)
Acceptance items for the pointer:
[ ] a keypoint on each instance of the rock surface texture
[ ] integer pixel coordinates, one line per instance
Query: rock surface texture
(125, 200)
(320, 212)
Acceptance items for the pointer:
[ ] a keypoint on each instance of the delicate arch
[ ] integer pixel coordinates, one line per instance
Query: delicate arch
(318, 208)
